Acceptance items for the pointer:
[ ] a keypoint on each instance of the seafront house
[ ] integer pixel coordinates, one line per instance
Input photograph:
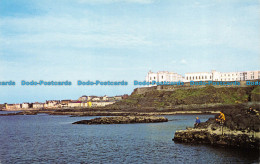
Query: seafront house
(118, 98)
(87, 98)
(52, 104)
(37, 105)
(96, 99)
(64, 103)
(104, 98)
(83, 98)
(25, 106)
(10, 107)
(101, 103)
(77, 104)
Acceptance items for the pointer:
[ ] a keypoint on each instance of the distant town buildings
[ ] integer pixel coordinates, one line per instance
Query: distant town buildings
(214, 75)
(82, 102)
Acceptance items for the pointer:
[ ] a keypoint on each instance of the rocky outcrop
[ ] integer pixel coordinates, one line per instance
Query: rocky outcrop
(123, 120)
(238, 139)
(241, 130)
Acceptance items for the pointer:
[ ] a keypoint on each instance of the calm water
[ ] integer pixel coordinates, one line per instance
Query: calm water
(53, 139)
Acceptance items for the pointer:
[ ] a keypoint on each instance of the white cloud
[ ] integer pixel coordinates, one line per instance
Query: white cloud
(183, 61)
(86, 31)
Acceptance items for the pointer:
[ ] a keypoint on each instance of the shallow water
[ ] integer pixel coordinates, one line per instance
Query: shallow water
(6, 112)
(54, 139)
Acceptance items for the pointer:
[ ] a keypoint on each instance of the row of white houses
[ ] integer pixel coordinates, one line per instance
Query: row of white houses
(162, 76)
(72, 104)
(82, 102)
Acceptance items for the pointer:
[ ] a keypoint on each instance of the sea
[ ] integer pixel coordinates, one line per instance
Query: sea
(46, 138)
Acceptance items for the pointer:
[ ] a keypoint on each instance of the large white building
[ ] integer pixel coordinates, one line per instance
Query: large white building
(162, 76)
(165, 76)
(222, 76)
(198, 76)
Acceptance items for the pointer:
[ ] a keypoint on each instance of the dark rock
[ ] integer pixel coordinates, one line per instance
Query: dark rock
(123, 120)
(241, 130)
(207, 137)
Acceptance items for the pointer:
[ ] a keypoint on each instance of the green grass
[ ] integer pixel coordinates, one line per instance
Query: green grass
(203, 95)
(256, 90)
(130, 101)
(188, 93)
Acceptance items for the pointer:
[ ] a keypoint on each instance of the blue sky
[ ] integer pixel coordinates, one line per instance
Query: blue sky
(120, 40)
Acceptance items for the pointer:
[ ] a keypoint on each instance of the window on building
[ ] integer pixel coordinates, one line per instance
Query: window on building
(209, 77)
(199, 77)
(150, 78)
(153, 77)
(162, 77)
(196, 77)
(205, 77)
(252, 75)
(187, 78)
(193, 77)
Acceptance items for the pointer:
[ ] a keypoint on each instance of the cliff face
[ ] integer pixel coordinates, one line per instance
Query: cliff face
(170, 99)
(241, 130)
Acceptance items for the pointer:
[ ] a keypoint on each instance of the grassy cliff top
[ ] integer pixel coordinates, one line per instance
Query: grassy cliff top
(159, 99)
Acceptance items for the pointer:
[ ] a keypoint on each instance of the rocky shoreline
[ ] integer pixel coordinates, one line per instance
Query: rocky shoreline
(240, 130)
(106, 113)
(123, 120)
